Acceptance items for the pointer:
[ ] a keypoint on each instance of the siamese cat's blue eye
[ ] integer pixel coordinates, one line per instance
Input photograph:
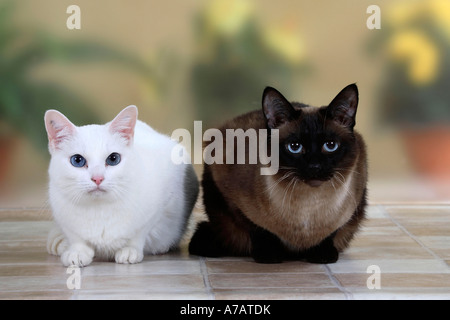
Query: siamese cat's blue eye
(295, 147)
(113, 159)
(78, 161)
(330, 146)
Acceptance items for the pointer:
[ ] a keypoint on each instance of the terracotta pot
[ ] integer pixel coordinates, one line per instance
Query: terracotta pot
(429, 151)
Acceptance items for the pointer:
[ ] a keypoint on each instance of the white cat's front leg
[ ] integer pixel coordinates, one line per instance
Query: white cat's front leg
(132, 253)
(78, 254)
(56, 241)
(129, 255)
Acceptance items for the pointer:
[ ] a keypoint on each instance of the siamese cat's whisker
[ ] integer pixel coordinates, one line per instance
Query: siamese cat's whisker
(292, 191)
(286, 191)
(347, 190)
(284, 177)
(348, 170)
(338, 181)
(340, 178)
(286, 168)
(332, 184)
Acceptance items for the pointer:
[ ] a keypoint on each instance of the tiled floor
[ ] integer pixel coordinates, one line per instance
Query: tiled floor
(408, 244)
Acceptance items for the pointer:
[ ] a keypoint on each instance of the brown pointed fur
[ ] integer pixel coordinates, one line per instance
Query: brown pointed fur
(239, 200)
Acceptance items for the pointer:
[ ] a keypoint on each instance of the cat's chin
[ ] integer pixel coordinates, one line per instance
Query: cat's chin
(314, 183)
(97, 192)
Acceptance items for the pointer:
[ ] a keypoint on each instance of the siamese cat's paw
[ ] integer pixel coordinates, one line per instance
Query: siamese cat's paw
(270, 257)
(322, 255)
(266, 247)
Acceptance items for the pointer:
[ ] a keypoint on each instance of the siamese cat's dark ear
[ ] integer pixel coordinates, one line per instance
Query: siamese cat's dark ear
(343, 107)
(276, 108)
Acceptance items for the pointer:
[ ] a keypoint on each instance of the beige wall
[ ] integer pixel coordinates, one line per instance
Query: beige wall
(334, 34)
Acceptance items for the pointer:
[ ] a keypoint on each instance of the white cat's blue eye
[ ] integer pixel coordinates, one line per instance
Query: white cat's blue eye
(113, 159)
(295, 147)
(78, 161)
(330, 146)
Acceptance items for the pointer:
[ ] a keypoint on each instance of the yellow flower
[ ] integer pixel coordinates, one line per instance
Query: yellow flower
(285, 41)
(421, 55)
(440, 11)
(227, 16)
(401, 13)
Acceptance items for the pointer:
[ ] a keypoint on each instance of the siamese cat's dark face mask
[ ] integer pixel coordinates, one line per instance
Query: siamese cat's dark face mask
(316, 144)
(316, 150)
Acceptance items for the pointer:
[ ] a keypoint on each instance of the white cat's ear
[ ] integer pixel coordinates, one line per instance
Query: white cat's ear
(124, 123)
(58, 127)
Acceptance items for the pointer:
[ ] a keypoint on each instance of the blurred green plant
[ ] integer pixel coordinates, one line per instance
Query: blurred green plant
(23, 99)
(237, 57)
(415, 40)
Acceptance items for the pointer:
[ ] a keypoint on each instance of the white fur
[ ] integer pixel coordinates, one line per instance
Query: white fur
(142, 207)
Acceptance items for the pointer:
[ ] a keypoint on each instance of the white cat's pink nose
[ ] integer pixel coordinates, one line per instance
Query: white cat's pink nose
(97, 179)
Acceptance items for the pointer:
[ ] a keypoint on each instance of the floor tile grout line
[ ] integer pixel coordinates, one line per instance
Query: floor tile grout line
(267, 273)
(204, 270)
(398, 224)
(206, 282)
(348, 294)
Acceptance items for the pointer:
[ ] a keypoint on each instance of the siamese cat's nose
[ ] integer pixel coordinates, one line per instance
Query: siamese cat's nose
(97, 179)
(314, 167)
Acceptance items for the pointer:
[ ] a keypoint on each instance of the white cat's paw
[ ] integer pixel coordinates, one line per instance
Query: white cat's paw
(79, 258)
(129, 255)
(56, 242)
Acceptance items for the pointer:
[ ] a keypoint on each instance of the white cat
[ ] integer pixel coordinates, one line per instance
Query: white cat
(114, 191)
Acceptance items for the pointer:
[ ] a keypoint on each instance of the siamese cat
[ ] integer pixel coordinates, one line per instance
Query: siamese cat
(311, 208)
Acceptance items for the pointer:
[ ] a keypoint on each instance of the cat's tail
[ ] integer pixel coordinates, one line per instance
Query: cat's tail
(191, 205)
(56, 242)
